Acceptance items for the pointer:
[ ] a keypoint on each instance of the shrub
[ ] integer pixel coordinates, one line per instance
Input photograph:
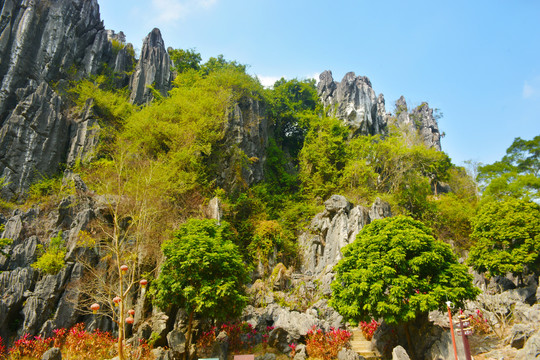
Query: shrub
(2, 349)
(368, 329)
(326, 346)
(479, 323)
(28, 347)
(51, 261)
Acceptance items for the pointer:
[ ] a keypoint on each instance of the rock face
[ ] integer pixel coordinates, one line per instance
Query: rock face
(332, 229)
(354, 101)
(41, 43)
(153, 69)
(244, 147)
(420, 119)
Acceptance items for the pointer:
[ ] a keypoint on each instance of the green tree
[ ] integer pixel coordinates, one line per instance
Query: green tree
(291, 105)
(506, 238)
(185, 59)
(203, 272)
(516, 174)
(396, 270)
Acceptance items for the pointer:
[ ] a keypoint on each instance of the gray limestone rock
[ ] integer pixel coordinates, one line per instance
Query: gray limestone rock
(52, 354)
(153, 69)
(348, 354)
(33, 140)
(399, 353)
(84, 135)
(220, 348)
(419, 121)
(354, 101)
(519, 335)
(531, 350)
(331, 230)
(268, 356)
(246, 138)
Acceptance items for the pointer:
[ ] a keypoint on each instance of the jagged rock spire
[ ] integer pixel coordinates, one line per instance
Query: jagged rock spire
(153, 69)
(354, 101)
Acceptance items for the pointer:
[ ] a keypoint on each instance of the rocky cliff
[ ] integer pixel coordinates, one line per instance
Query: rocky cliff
(43, 43)
(354, 101)
(153, 69)
(421, 120)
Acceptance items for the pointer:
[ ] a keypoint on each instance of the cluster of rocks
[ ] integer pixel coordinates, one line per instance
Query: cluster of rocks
(354, 101)
(46, 44)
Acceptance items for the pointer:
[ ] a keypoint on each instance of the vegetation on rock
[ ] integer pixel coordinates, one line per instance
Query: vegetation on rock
(506, 238)
(396, 270)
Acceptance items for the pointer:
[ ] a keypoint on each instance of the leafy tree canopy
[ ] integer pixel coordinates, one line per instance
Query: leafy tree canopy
(185, 59)
(516, 174)
(506, 237)
(203, 271)
(396, 270)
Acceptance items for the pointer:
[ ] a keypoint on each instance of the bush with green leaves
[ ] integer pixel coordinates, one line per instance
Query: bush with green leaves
(203, 272)
(51, 260)
(516, 174)
(396, 270)
(506, 236)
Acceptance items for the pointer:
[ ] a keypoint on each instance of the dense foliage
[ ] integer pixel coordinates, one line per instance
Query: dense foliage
(516, 174)
(51, 258)
(396, 270)
(203, 271)
(506, 238)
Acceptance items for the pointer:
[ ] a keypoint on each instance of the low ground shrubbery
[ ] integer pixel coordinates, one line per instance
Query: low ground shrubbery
(75, 343)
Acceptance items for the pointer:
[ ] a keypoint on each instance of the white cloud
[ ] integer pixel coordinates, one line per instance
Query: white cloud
(531, 88)
(528, 90)
(268, 81)
(314, 76)
(171, 10)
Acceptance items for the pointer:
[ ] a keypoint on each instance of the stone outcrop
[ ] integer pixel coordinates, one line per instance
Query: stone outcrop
(333, 229)
(153, 69)
(44, 43)
(243, 151)
(419, 120)
(354, 101)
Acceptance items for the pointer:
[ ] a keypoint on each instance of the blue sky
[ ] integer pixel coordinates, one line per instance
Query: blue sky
(477, 61)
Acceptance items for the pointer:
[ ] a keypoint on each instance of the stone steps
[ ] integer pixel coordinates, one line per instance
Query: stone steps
(361, 346)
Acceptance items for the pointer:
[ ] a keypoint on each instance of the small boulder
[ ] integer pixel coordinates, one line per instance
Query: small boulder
(531, 348)
(348, 354)
(519, 335)
(399, 353)
(52, 354)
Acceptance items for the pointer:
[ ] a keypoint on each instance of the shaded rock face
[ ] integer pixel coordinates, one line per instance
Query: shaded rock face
(354, 101)
(153, 69)
(244, 146)
(37, 303)
(334, 228)
(420, 119)
(45, 42)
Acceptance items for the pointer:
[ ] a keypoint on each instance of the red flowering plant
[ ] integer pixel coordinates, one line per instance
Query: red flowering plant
(242, 336)
(29, 347)
(368, 329)
(292, 346)
(479, 323)
(2, 349)
(326, 345)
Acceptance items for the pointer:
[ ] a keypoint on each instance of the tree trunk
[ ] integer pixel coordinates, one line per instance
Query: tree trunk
(121, 332)
(411, 351)
(188, 336)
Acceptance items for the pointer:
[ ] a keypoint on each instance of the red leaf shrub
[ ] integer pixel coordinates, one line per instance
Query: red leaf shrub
(29, 347)
(326, 346)
(368, 329)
